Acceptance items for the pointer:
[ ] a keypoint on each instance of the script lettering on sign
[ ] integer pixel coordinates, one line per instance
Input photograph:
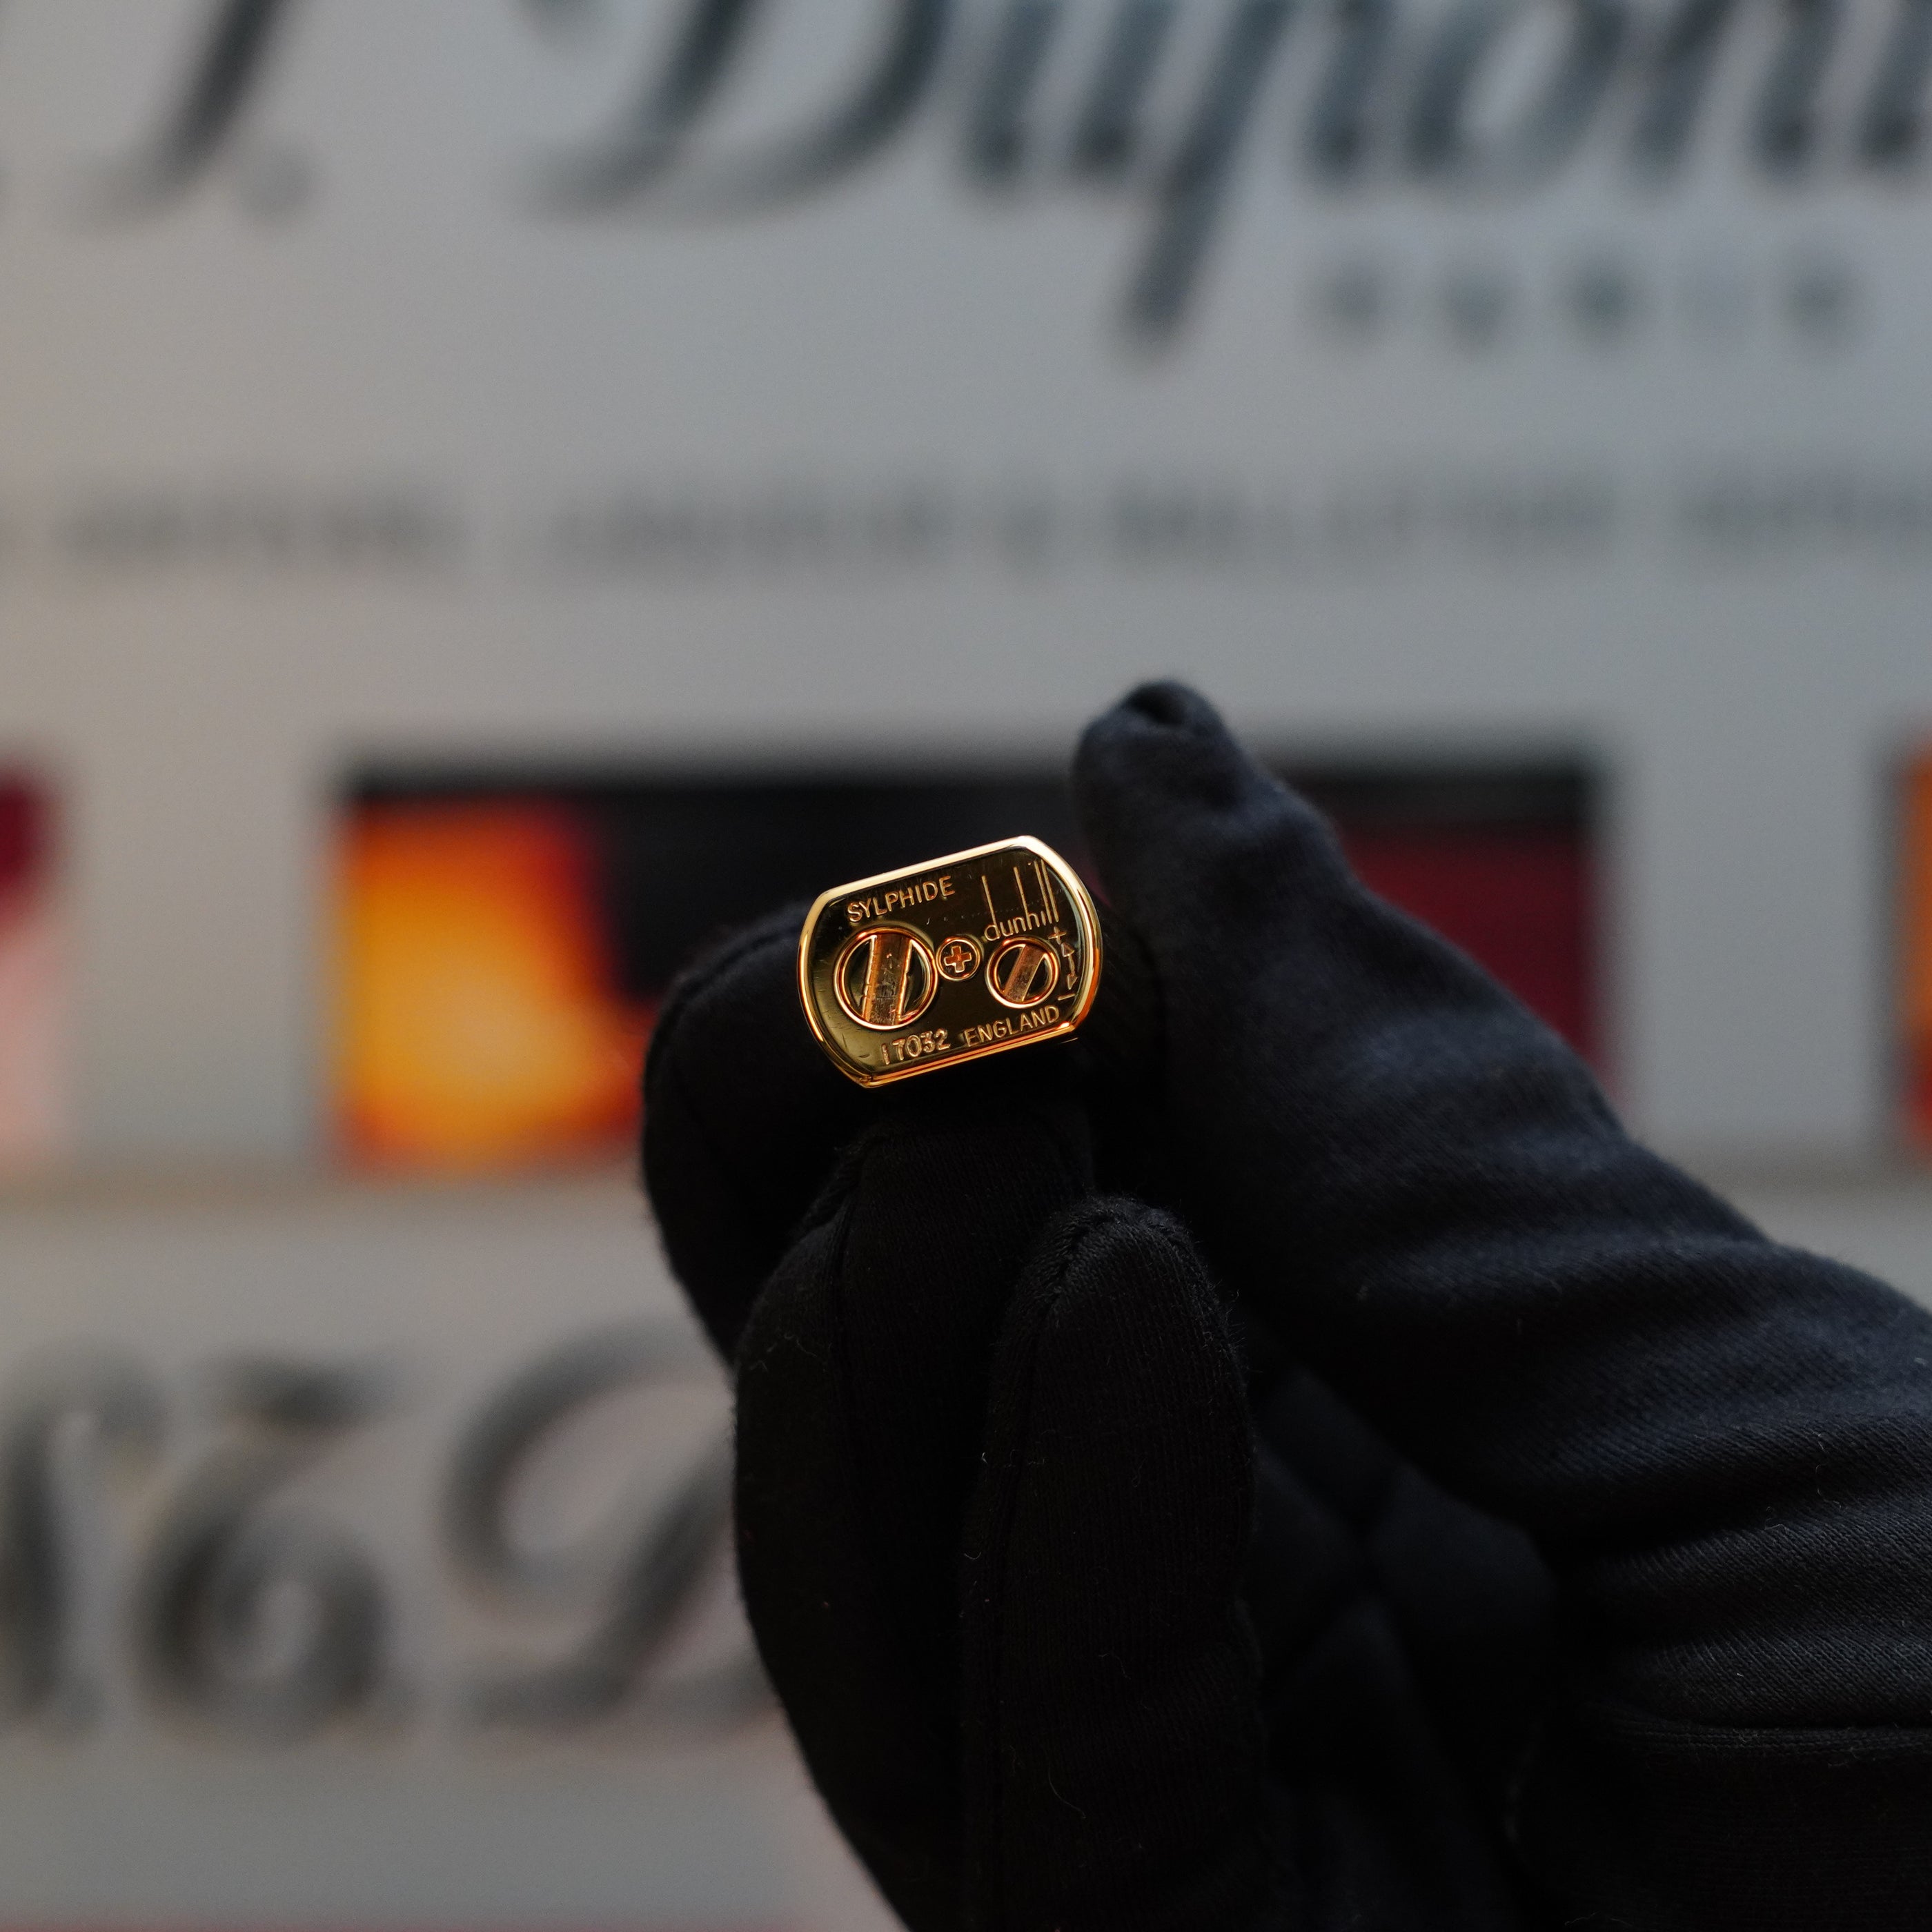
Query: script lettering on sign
(254, 1612)
(1162, 106)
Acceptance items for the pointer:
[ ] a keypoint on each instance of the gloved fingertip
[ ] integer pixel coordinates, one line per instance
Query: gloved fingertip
(1167, 796)
(1158, 713)
(1169, 703)
(1162, 740)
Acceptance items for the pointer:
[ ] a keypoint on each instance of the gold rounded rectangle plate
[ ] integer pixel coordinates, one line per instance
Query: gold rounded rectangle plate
(976, 953)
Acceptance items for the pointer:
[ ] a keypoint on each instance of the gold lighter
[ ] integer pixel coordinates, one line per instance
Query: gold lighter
(974, 954)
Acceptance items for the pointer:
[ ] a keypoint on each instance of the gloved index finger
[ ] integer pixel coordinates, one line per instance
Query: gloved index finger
(1418, 1184)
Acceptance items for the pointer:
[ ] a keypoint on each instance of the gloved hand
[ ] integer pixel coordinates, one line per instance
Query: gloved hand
(1428, 1510)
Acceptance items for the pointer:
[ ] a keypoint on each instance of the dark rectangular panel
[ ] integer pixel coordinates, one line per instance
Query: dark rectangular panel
(506, 935)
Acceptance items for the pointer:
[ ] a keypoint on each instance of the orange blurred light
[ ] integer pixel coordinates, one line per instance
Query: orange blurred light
(1915, 935)
(478, 1025)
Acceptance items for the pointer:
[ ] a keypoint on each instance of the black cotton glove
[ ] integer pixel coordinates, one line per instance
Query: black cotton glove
(997, 1480)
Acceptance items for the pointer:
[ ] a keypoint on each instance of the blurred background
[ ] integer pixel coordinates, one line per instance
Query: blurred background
(493, 493)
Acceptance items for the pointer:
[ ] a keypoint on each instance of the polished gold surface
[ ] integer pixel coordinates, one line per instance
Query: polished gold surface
(975, 953)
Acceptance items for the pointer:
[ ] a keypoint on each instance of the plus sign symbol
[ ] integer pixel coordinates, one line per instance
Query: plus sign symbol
(958, 957)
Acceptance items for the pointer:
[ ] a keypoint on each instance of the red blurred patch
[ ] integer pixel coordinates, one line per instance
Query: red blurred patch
(1519, 901)
(23, 836)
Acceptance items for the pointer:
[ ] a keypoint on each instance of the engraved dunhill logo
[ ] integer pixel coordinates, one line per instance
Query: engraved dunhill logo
(1038, 908)
(885, 978)
(1022, 973)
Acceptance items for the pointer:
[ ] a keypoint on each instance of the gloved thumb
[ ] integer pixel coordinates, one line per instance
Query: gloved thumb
(1114, 1749)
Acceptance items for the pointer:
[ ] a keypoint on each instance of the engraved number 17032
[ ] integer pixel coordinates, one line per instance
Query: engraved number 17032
(917, 1046)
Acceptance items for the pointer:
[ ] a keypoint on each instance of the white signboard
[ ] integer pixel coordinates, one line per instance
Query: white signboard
(665, 377)
(749, 382)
